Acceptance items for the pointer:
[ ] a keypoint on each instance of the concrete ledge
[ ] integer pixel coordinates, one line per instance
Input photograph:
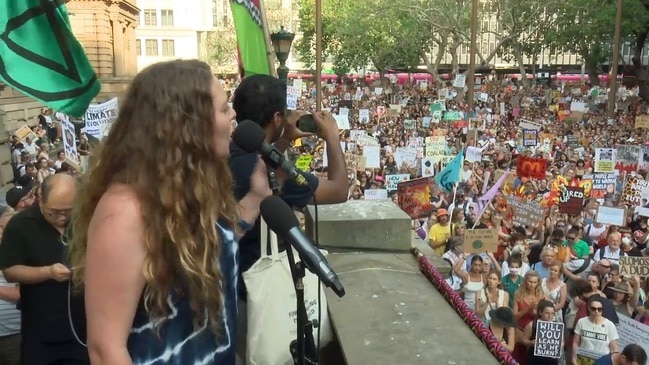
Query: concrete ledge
(392, 314)
(361, 225)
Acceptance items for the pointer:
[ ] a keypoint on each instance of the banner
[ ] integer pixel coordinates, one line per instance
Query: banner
(531, 167)
(413, 197)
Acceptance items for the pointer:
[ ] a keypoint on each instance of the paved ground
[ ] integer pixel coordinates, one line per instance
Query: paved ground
(393, 315)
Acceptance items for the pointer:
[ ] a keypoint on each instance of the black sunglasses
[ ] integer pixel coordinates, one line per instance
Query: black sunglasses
(596, 309)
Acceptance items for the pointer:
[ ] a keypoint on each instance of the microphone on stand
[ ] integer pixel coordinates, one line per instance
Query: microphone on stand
(281, 219)
(250, 137)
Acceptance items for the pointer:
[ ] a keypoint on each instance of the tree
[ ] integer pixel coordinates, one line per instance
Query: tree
(639, 36)
(586, 28)
(359, 34)
(440, 29)
(521, 29)
(220, 49)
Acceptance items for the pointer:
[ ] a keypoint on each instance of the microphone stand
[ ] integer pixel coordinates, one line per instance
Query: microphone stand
(303, 349)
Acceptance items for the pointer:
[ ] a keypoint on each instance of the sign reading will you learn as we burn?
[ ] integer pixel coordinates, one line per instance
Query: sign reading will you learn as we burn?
(548, 339)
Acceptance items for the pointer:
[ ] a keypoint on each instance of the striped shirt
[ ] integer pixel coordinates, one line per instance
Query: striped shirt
(9, 315)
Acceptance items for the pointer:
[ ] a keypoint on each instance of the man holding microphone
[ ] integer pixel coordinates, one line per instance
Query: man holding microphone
(262, 99)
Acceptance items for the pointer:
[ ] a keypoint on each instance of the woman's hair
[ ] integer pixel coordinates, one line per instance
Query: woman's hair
(476, 258)
(558, 264)
(162, 147)
(522, 290)
(595, 299)
(515, 258)
(544, 303)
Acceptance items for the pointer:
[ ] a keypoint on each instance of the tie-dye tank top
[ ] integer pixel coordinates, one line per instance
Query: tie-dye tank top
(179, 342)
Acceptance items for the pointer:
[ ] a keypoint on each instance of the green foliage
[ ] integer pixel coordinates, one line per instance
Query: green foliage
(361, 33)
(586, 27)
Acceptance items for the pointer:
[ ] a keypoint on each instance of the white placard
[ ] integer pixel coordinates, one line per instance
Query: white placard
(376, 194)
(364, 115)
(373, 156)
(610, 215)
(342, 121)
(292, 95)
(391, 181)
(99, 118)
(459, 81)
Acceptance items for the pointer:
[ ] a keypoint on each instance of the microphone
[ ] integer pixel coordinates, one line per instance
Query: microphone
(250, 137)
(281, 219)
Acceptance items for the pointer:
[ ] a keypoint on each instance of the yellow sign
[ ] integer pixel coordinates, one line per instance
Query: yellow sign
(304, 162)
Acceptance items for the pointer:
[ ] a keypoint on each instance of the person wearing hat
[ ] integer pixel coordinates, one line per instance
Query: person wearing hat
(440, 232)
(625, 295)
(20, 197)
(502, 325)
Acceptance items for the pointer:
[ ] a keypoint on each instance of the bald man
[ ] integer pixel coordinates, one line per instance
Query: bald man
(31, 255)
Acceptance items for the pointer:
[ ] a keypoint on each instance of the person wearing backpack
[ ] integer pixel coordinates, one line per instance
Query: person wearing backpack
(613, 251)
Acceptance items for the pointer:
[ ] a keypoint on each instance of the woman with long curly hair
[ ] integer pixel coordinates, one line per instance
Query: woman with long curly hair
(153, 240)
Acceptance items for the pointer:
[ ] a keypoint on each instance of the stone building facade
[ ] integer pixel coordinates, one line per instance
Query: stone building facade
(106, 30)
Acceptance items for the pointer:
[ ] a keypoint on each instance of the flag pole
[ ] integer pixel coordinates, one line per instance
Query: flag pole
(270, 52)
(480, 216)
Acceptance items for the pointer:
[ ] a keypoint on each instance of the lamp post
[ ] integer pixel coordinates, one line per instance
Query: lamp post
(282, 41)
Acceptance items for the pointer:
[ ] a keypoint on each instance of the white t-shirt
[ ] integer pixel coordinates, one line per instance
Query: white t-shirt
(605, 253)
(596, 337)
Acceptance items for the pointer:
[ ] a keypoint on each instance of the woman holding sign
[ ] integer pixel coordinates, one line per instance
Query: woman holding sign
(546, 312)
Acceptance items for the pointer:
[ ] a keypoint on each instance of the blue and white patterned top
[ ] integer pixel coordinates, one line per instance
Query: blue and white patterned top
(178, 342)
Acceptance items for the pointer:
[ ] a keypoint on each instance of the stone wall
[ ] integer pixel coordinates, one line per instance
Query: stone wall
(96, 24)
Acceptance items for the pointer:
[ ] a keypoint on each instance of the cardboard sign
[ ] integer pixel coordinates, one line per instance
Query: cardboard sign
(525, 212)
(355, 162)
(642, 121)
(548, 339)
(413, 197)
(632, 265)
(531, 167)
(23, 132)
(571, 200)
(481, 240)
(375, 194)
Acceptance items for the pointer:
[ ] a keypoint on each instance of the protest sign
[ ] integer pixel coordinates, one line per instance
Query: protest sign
(531, 167)
(525, 212)
(528, 124)
(99, 118)
(632, 265)
(548, 339)
(413, 197)
(304, 162)
(481, 240)
(530, 137)
(628, 158)
(642, 121)
(23, 132)
(391, 181)
(375, 194)
(633, 331)
(602, 182)
(70, 144)
(605, 159)
(610, 215)
(571, 200)
(635, 191)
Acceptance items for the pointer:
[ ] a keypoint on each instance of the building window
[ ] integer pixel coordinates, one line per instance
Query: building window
(138, 47)
(167, 18)
(150, 17)
(151, 47)
(168, 48)
(215, 14)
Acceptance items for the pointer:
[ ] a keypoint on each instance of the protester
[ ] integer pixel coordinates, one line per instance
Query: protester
(154, 242)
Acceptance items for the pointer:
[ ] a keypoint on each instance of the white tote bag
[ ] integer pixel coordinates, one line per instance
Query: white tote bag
(271, 306)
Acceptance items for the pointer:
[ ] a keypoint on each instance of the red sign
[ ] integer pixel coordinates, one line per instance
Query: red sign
(413, 197)
(531, 167)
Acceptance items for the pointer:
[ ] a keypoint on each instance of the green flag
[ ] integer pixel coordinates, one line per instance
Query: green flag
(40, 57)
(251, 40)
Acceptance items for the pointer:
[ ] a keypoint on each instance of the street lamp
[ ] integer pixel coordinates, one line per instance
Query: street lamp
(282, 41)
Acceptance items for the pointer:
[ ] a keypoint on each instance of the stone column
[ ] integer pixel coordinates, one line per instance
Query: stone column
(118, 46)
(131, 63)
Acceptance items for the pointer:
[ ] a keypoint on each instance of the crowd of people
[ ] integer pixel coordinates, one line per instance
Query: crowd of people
(553, 265)
(138, 260)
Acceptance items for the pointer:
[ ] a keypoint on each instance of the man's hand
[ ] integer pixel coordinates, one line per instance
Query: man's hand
(59, 272)
(291, 131)
(327, 126)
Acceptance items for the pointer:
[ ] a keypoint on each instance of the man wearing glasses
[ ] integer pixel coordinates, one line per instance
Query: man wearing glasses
(31, 254)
